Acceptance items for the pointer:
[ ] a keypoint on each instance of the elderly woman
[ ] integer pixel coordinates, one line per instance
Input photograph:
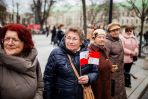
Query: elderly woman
(102, 87)
(20, 74)
(116, 55)
(59, 78)
(130, 45)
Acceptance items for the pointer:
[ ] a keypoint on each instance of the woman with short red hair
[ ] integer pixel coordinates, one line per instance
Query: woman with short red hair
(20, 74)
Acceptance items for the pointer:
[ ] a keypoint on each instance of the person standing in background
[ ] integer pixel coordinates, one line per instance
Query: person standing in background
(53, 35)
(130, 45)
(60, 33)
(116, 55)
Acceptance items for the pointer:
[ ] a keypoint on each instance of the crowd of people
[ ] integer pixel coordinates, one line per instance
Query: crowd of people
(20, 73)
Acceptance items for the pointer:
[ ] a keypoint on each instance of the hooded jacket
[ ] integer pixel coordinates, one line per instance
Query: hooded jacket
(59, 78)
(20, 77)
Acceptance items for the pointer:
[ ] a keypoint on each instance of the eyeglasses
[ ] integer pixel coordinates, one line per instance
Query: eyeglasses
(13, 40)
(73, 39)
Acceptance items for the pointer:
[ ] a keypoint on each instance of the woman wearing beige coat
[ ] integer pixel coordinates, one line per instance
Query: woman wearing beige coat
(116, 55)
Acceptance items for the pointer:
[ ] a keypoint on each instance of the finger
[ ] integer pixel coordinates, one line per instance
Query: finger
(83, 77)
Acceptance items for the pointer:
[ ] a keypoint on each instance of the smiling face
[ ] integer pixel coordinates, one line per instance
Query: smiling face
(12, 44)
(72, 41)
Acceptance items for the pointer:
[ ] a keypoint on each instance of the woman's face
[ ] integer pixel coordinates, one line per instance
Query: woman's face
(100, 39)
(115, 33)
(72, 41)
(12, 44)
(129, 32)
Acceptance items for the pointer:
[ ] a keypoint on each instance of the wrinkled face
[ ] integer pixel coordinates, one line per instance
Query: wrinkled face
(12, 44)
(115, 33)
(72, 41)
(100, 39)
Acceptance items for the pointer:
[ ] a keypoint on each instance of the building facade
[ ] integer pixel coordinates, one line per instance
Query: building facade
(2, 12)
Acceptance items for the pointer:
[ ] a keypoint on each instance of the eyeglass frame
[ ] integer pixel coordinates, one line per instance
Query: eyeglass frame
(69, 38)
(13, 40)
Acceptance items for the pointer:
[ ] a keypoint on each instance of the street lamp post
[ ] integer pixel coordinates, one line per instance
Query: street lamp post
(110, 11)
(17, 16)
(13, 11)
(84, 18)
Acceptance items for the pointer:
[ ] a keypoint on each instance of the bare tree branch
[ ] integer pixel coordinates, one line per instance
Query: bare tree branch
(138, 13)
(42, 9)
(141, 12)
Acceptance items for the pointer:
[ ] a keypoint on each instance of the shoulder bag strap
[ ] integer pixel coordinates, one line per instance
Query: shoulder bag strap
(73, 67)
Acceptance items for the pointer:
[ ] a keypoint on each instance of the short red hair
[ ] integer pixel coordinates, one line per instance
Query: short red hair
(23, 33)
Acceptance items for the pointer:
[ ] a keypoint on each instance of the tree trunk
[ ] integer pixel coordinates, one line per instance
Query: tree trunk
(141, 34)
(110, 11)
(84, 18)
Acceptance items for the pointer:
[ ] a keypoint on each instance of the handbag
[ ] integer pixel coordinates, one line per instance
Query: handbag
(135, 58)
(87, 90)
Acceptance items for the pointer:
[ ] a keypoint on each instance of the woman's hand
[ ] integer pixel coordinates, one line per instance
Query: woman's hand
(83, 79)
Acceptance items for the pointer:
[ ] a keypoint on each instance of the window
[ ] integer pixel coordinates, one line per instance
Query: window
(127, 21)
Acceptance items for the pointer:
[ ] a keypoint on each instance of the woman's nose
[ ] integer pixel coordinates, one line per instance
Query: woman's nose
(10, 41)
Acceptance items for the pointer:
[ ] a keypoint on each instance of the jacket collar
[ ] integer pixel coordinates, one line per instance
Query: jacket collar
(125, 35)
(112, 38)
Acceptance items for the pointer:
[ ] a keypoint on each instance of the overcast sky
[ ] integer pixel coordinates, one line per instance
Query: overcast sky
(24, 5)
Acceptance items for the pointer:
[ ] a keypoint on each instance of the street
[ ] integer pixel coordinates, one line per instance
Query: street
(42, 43)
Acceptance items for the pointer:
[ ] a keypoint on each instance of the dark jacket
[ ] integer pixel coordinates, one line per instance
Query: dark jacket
(20, 77)
(102, 87)
(116, 54)
(60, 34)
(59, 78)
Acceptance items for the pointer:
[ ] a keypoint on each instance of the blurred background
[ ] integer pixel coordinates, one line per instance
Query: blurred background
(39, 15)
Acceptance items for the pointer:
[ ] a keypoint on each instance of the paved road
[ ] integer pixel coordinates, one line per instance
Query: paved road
(145, 96)
(44, 48)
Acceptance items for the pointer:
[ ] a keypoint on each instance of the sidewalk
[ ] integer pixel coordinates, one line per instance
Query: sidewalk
(138, 85)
